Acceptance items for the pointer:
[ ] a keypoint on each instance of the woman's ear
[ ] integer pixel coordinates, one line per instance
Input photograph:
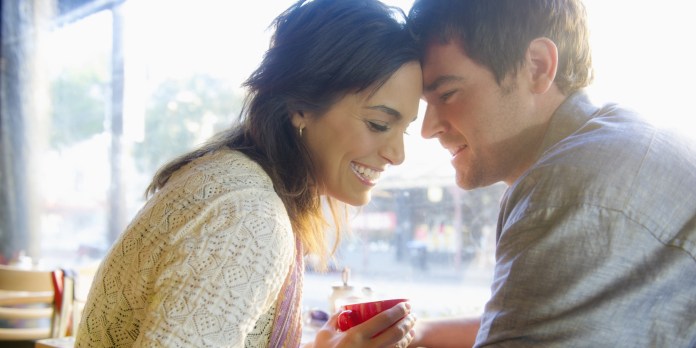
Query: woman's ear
(298, 119)
(542, 61)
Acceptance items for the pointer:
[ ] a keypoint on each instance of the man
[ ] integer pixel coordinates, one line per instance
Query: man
(596, 238)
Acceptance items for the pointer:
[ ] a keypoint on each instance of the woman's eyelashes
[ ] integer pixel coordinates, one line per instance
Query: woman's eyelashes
(381, 126)
(377, 126)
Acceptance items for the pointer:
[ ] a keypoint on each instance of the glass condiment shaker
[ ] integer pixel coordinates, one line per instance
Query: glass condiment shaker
(341, 293)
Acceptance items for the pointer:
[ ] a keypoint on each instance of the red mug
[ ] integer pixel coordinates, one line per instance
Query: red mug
(357, 313)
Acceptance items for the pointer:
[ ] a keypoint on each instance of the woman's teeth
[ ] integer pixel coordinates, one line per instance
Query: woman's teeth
(366, 173)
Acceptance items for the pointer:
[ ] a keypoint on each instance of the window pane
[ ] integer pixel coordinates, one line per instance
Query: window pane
(183, 64)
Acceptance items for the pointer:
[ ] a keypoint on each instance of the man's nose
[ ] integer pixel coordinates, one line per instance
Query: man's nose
(432, 125)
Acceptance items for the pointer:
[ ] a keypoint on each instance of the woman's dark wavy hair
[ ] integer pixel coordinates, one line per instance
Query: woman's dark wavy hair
(321, 51)
(496, 33)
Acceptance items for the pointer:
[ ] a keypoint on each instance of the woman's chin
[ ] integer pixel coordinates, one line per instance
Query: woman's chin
(357, 200)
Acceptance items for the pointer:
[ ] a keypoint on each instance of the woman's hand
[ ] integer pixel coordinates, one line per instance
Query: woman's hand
(391, 328)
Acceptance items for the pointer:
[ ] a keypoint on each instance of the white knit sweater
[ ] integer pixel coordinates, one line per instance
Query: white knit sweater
(201, 264)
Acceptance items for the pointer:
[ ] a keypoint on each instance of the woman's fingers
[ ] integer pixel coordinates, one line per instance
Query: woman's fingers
(382, 321)
(404, 342)
(391, 328)
(395, 327)
(400, 334)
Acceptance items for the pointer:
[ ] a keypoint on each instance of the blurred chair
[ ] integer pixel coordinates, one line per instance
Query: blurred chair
(83, 282)
(35, 304)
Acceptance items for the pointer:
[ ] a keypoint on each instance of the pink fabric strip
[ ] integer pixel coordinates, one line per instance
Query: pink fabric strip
(287, 327)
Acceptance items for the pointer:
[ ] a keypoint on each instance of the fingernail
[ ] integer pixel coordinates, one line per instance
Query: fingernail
(408, 307)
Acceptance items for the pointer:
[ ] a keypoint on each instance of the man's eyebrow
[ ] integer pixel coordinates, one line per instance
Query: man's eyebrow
(441, 81)
(387, 110)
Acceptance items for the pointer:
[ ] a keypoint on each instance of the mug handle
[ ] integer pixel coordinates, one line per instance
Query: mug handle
(346, 320)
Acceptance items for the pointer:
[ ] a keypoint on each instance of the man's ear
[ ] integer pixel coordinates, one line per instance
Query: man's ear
(542, 62)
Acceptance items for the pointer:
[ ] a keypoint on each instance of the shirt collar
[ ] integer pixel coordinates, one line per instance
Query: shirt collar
(574, 112)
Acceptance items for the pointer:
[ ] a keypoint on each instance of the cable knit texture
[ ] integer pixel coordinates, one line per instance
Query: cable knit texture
(201, 265)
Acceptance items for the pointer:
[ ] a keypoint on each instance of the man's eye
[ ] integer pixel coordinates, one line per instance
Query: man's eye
(377, 126)
(446, 96)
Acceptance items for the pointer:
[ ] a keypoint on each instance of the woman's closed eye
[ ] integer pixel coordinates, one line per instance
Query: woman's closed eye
(377, 126)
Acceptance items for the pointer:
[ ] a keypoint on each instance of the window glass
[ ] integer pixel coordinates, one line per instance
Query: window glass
(179, 65)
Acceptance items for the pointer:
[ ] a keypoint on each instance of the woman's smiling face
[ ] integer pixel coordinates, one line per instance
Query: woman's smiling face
(355, 140)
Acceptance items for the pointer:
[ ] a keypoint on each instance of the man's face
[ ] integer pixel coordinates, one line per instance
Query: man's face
(484, 125)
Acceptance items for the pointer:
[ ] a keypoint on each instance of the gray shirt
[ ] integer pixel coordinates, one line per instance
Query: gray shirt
(596, 242)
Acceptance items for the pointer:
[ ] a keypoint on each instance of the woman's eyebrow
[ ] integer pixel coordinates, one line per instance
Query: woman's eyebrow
(387, 110)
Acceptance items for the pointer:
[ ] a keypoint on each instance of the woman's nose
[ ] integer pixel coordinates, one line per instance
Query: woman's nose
(393, 151)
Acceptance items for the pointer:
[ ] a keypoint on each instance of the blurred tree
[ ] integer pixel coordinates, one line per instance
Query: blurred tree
(183, 114)
(78, 106)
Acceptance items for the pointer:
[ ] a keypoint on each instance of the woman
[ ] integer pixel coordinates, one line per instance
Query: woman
(215, 257)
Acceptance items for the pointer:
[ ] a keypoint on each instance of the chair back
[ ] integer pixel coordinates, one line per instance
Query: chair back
(34, 304)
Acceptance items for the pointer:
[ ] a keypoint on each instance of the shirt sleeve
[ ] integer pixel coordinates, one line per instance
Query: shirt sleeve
(223, 275)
